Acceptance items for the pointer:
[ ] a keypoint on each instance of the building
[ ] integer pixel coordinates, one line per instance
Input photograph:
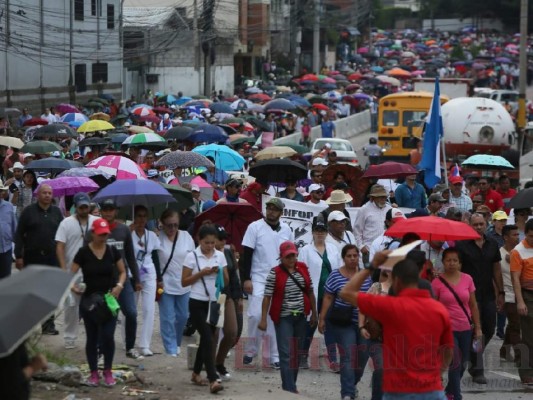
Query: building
(413, 5)
(61, 51)
(183, 47)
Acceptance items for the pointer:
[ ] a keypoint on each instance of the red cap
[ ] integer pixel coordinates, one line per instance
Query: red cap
(101, 227)
(287, 248)
(455, 179)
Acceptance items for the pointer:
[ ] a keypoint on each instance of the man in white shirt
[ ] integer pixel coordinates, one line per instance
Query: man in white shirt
(368, 224)
(337, 233)
(384, 242)
(48, 116)
(258, 258)
(70, 237)
(316, 193)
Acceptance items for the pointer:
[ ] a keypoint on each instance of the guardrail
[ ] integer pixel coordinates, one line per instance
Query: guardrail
(345, 128)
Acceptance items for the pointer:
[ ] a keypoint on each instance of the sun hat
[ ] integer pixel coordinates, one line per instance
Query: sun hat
(287, 248)
(100, 227)
(378, 190)
(339, 197)
(2, 187)
(17, 165)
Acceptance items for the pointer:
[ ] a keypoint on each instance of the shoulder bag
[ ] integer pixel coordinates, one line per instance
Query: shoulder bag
(340, 315)
(157, 294)
(458, 301)
(373, 327)
(214, 311)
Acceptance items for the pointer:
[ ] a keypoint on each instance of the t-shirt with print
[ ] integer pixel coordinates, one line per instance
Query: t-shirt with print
(464, 287)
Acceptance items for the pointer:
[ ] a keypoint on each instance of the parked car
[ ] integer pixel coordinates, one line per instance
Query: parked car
(344, 149)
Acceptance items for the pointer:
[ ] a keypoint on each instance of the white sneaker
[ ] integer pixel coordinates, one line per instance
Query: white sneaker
(146, 352)
(70, 344)
(172, 355)
(133, 353)
(178, 351)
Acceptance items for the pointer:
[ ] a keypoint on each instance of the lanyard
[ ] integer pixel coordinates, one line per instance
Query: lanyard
(83, 233)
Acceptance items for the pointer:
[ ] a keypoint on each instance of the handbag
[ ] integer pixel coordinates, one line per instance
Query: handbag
(458, 301)
(157, 293)
(373, 327)
(95, 307)
(340, 316)
(213, 312)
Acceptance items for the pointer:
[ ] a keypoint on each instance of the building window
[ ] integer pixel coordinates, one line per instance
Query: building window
(78, 10)
(110, 16)
(99, 72)
(93, 8)
(80, 77)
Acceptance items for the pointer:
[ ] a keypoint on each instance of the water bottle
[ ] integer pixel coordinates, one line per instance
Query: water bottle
(477, 346)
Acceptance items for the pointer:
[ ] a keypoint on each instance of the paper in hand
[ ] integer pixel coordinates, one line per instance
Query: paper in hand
(399, 254)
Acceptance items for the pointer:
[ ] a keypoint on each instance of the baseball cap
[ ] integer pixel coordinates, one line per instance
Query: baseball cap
(499, 216)
(436, 197)
(314, 187)
(276, 202)
(394, 214)
(287, 248)
(26, 155)
(108, 203)
(318, 224)
(56, 154)
(336, 216)
(100, 227)
(455, 179)
(81, 199)
(195, 188)
(152, 173)
(319, 161)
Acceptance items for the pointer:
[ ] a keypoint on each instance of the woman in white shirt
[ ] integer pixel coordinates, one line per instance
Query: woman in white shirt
(321, 258)
(174, 302)
(200, 271)
(145, 246)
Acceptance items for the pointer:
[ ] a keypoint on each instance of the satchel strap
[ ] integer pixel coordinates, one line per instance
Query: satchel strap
(171, 254)
(445, 283)
(202, 278)
(295, 280)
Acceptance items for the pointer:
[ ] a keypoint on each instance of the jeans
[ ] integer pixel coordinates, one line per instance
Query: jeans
(205, 354)
(173, 315)
(99, 337)
(331, 346)
(290, 336)
(436, 395)
(126, 300)
(352, 357)
(487, 314)
(6, 262)
(525, 369)
(461, 354)
(375, 352)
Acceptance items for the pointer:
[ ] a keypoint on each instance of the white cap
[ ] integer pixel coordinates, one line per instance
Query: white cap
(56, 154)
(195, 188)
(397, 213)
(28, 155)
(328, 145)
(315, 186)
(336, 216)
(166, 116)
(17, 165)
(319, 161)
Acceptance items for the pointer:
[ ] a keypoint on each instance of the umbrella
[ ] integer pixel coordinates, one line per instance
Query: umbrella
(118, 166)
(150, 118)
(130, 192)
(10, 141)
(225, 158)
(297, 148)
(310, 77)
(275, 152)
(55, 131)
(432, 228)
(230, 130)
(100, 116)
(280, 104)
(66, 108)
(9, 112)
(40, 147)
(183, 201)
(70, 185)
(74, 117)
(523, 199)
(253, 90)
(353, 177)
(94, 126)
(118, 138)
(162, 110)
(178, 133)
(101, 178)
(35, 122)
(52, 165)
(234, 217)
(278, 170)
(146, 141)
(321, 107)
(93, 141)
(29, 298)
(136, 106)
(262, 97)
(183, 159)
(242, 139)
(486, 161)
(332, 95)
(222, 107)
(389, 169)
(503, 60)
(139, 129)
(241, 104)
(207, 133)
(398, 72)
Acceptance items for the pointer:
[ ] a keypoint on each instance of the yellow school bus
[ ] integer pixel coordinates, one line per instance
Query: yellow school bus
(401, 118)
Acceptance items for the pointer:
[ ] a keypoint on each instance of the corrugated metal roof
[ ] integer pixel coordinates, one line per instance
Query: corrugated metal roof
(148, 17)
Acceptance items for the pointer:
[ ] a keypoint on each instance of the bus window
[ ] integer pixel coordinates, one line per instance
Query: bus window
(391, 118)
(413, 118)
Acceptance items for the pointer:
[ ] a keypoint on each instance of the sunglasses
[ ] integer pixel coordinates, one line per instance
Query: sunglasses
(170, 226)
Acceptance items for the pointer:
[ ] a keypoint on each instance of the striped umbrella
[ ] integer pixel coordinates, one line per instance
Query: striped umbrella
(143, 112)
(74, 117)
(146, 140)
(118, 166)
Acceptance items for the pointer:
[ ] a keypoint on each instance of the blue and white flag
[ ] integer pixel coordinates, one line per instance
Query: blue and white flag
(431, 149)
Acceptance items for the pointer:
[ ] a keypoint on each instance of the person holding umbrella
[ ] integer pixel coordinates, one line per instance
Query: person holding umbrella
(98, 262)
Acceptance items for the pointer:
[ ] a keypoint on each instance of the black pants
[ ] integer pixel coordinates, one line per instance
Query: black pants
(205, 355)
(99, 337)
(487, 315)
(6, 263)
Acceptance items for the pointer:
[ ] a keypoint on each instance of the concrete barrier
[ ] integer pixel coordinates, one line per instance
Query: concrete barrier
(345, 128)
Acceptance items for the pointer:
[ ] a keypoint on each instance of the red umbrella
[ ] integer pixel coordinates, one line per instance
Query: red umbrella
(432, 228)
(260, 96)
(320, 106)
(162, 110)
(234, 217)
(352, 86)
(389, 169)
(150, 118)
(354, 76)
(309, 77)
(35, 122)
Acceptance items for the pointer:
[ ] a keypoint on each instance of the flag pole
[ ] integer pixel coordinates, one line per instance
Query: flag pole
(443, 149)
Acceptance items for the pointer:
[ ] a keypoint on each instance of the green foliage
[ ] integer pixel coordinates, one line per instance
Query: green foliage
(457, 53)
(386, 17)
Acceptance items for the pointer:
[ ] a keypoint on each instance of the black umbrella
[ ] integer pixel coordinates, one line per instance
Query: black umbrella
(228, 129)
(53, 165)
(56, 131)
(40, 147)
(178, 133)
(222, 107)
(93, 141)
(27, 299)
(278, 170)
(279, 104)
(523, 199)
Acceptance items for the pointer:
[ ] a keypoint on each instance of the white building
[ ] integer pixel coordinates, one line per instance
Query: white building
(59, 51)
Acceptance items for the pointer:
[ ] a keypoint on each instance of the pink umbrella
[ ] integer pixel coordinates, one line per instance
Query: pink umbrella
(206, 190)
(69, 185)
(120, 167)
(362, 50)
(64, 108)
(328, 80)
(418, 72)
(143, 112)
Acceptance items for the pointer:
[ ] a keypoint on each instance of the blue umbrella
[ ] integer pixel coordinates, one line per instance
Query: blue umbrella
(182, 100)
(486, 161)
(328, 86)
(377, 68)
(222, 107)
(225, 158)
(298, 100)
(119, 138)
(170, 99)
(207, 133)
(131, 192)
(279, 104)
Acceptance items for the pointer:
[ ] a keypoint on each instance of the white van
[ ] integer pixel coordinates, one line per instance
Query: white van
(499, 95)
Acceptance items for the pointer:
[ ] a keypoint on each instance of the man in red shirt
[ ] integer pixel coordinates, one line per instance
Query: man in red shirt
(417, 334)
(505, 190)
(493, 199)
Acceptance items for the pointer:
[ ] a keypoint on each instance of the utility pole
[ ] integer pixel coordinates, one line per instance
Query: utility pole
(316, 39)
(71, 87)
(521, 119)
(196, 42)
